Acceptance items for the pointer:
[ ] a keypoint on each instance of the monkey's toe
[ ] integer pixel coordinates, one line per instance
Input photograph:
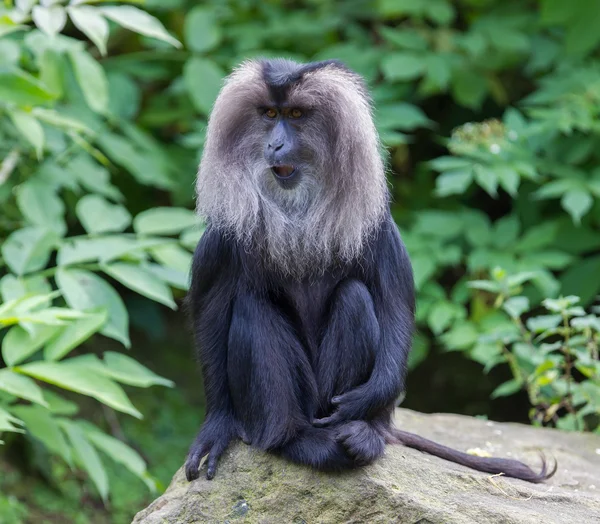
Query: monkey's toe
(361, 441)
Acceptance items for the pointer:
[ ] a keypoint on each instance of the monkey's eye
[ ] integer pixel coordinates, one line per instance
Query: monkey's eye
(295, 113)
(270, 113)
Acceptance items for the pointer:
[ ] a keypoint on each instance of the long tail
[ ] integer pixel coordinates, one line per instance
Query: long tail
(509, 467)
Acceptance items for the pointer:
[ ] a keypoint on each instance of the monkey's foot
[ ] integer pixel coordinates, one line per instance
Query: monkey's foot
(213, 439)
(360, 441)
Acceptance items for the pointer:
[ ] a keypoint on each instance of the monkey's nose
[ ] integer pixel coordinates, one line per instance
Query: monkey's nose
(276, 146)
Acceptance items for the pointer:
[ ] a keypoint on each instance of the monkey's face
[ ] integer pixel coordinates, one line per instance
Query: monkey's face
(284, 149)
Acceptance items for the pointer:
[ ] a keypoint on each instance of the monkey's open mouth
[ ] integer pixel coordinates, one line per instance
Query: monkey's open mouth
(283, 171)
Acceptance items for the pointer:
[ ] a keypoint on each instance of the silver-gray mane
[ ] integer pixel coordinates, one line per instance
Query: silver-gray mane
(342, 195)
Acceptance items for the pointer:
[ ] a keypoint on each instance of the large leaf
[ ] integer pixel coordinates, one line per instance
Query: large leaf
(22, 89)
(88, 457)
(41, 206)
(44, 427)
(129, 371)
(97, 215)
(139, 21)
(119, 452)
(173, 256)
(202, 79)
(201, 30)
(91, 79)
(402, 66)
(577, 202)
(74, 334)
(19, 345)
(51, 20)
(90, 22)
(8, 421)
(81, 379)
(164, 221)
(30, 128)
(142, 281)
(21, 386)
(28, 249)
(84, 290)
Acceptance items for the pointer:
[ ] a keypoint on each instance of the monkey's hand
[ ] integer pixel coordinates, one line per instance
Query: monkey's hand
(214, 437)
(356, 404)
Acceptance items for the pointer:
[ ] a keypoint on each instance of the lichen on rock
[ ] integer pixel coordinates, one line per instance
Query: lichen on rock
(403, 486)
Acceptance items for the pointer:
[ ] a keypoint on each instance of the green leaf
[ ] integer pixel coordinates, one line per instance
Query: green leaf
(90, 22)
(173, 256)
(164, 221)
(516, 306)
(506, 231)
(22, 89)
(508, 388)
(404, 38)
(509, 179)
(97, 215)
(88, 457)
(28, 249)
(30, 128)
(403, 116)
(129, 371)
(469, 87)
(202, 79)
(139, 21)
(440, 316)
(454, 182)
(487, 179)
(201, 30)
(59, 405)
(21, 386)
(56, 119)
(81, 379)
(41, 206)
(44, 427)
(51, 20)
(543, 322)
(402, 66)
(51, 65)
(119, 452)
(173, 277)
(142, 281)
(190, 237)
(84, 290)
(7, 422)
(19, 345)
(577, 203)
(74, 334)
(91, 78)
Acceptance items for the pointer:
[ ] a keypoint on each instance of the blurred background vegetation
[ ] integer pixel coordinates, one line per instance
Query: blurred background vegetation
(489, 110)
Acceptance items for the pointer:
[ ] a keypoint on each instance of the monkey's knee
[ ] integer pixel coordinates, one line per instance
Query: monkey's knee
(361, 441)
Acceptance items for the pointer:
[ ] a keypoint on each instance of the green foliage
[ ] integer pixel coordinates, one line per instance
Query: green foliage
(66, 226)
(553, 356)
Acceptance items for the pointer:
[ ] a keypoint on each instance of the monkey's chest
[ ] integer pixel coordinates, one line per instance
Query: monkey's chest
(308, 305)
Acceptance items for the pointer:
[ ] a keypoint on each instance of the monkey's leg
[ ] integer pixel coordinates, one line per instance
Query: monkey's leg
(270, 380)
(345, 361)
(273, 387)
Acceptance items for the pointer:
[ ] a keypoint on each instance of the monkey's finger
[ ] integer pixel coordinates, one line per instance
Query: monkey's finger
(192, 463)
(322, 422)
(215, 452)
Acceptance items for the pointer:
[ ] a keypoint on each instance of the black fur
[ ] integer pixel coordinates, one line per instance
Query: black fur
(310, 370)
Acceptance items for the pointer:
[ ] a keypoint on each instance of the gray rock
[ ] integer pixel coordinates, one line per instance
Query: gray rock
(405, 486)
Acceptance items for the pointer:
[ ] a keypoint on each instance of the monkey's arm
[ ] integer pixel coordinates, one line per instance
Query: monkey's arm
(389, 279)
(209, 301)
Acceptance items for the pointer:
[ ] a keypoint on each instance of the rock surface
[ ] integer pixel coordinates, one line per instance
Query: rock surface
(403, 486)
